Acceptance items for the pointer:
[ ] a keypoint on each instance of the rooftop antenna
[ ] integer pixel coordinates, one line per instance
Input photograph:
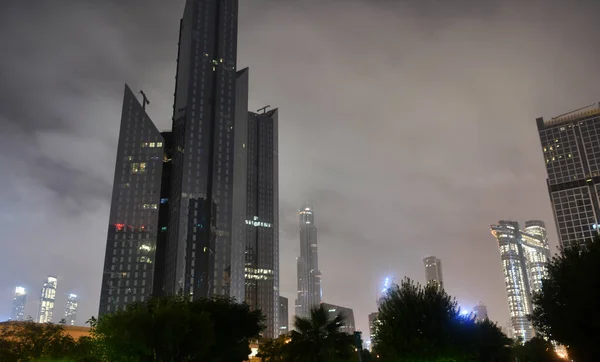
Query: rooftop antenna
(263, 109)
(145, 100)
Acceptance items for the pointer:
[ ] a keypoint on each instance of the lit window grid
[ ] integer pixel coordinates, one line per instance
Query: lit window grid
(563, 162)
(574, 214)
(590, 135)
(535, 251)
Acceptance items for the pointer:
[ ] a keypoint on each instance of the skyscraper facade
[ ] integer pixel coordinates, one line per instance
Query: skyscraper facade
(372, 325)
(347, 313)
(47, 298)
(284, 326)
(480, 312)
(524, 254)
(18, 307)
(433, 271)
(199, 260)
(572, 156)
(130, 257)
(262, 224)
(71, 310)
(309, 275)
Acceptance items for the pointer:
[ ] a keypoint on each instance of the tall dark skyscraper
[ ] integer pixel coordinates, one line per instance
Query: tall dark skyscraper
(262, 224)
(572, 155)
(18, 307)
(130, 259)
(200, 258)
(309, 275)
(284, 326)
(195, 210)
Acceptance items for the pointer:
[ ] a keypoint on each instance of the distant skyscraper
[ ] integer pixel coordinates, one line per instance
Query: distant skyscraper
(346, 313)
(47, 298)
(480, 312)
(18, 307)
(309, 275)
(433, 271)
(130, 259)
(71, 310)
(372, 324)
(570, 147)
(284, 326)
(524, 254)
(262, 224)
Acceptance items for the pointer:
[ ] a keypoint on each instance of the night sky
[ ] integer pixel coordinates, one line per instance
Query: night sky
(409, 125)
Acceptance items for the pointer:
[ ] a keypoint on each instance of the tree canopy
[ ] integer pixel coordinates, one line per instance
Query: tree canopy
(317, 338)
(175, 329)
(565, 309)
(418, 323)
(30, 341)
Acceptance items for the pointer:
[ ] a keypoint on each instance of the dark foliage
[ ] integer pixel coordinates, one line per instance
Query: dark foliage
(418, 323)
(174, 329)
(30, 341)
(536, 349)
(318, 338)
(566, 307)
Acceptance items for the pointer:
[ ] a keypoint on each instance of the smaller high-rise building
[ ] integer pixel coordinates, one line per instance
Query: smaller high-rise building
(283, 316)
(524, 254)
(480, 312)
(372, 324)
(262, 221)
(433, 271)
(346, 313)
(47, 299)
(310, 293)
(18, 307)
(71, 310)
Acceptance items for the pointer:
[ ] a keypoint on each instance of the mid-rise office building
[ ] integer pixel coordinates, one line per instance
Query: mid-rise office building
(71, 310)
(346, 313)
(572, 156)
(47, 299)
(18, 306)
(284, 326)
(130, 259)
(433, 271)
(524, 254)
(480, 312)
(309, 275)
(262, 224)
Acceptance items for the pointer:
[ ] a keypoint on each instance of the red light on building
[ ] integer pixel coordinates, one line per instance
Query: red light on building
(120, 227)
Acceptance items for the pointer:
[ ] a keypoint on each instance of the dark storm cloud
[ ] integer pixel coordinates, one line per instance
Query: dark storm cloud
(408, 125)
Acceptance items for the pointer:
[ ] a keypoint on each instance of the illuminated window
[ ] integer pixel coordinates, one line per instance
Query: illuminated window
(158, 144)
(152, 144)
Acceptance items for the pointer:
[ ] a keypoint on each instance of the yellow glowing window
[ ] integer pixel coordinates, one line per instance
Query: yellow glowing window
(152, 144)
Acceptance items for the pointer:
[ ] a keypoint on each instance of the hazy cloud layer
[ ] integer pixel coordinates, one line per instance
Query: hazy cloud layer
(409, 125)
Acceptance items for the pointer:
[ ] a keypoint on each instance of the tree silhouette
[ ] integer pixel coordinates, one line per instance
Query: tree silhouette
(318, 338)
(175, 329)
(565, 309)
(418, 323)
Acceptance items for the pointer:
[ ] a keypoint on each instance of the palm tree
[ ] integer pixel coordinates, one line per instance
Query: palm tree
(317, 338)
